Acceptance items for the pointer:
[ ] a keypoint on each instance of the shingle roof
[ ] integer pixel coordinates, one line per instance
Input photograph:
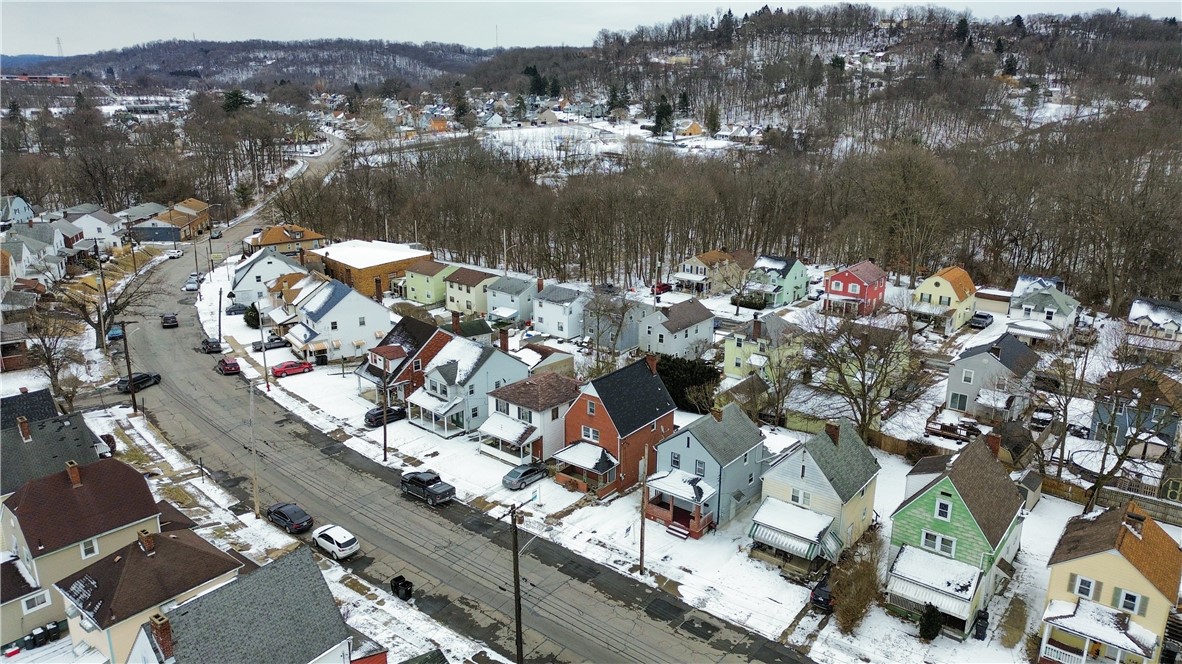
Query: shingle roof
(129, 581)
(1134, 535)
(773, 328)
(13, 583)
(1145, 385)
(777, 264)
(558, 294)
(1009, 351)
(66, 228)
(725, 440)
(320, 303)
(171, 518)
(847, 464)
(55, 441)
(53, 514)
(959, 279)
(633, 396)
(242, 270)
(511, 285)
(142, 211)
(1047, 298)
(289, 597)
(466, 276)
(540, 392)
(867, 271)
(684, 314)
(34, 405)
(427, 267)
(285, 233)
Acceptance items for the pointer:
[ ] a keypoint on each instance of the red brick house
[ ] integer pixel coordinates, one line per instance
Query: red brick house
(857, 290)
(610, 425)
(399, 358)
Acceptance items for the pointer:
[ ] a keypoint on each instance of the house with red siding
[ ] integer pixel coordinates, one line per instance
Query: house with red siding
(857, 290)
(610, 425)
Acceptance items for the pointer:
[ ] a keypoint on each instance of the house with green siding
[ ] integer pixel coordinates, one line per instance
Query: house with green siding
(425, 281)
(954, 537)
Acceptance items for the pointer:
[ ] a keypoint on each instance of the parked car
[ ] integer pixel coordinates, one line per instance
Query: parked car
(190, 286)
(427, 486)
(216, 234)
(197, 276)
(272, 342)
(821, 596)
(228, 366)
(115, 332)
(816, 294)
(139, 380)
(168, 320)
(175, 253)
(373, 416)
(289, 517)
(523, 476)
(335, 541)
(256, 230)
(981, 320)
(209, 346)
(606, 289)
(290, 367)
(660, 288)
(236, 309)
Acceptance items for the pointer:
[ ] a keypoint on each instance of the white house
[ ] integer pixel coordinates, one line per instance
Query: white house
(14, 210)
(335, 321)
(35, 258)
(252, 275)
(512, 299)
(525, 421)
(103, 227)
(558, 311)
(681, 330)
(1041, 310)
(456, 382)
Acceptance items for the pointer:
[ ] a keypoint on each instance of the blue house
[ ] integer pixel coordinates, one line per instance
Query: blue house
(1140, 404)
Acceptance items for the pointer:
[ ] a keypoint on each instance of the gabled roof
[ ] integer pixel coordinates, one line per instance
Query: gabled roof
(66, 228)
(284, 233)
(55, 441)
(427, 267)
(511, 285)
(42, 233)
(141, 212)
(867, 271)
(288, 596)
(725, 439)
(1133, 534)
(984, 486)
(772, 328)
(540, 392)
(1049, 297)
(1157, 312)
(1144, 385)
(778, 264)
(83, 208)
(558, 294)
(322, 300)
(1028, 283)
(846, 462)
(959, 279)
(34, 405)
(459, 360)
(129, 581)
(242, 270)
(682, 315)
(633, 396)
(410, 334)
(1009, 351)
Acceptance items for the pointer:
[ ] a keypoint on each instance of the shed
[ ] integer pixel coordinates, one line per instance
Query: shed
(1030, 486)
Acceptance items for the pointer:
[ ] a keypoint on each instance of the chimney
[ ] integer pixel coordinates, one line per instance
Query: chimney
(301, 256)
(651, 360)
(147, 542)
(24, 390)
(504, 335)
(716, 413)
(995, 351)
(162, 632)
(756, 326)
(74, 472)
(541, 284)
(455, 322)
(993, 440)
(22, 423)
(833, 431)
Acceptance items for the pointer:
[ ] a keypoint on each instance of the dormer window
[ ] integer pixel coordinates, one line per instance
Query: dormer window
(1050, 314)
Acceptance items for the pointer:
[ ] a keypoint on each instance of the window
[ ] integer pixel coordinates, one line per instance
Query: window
(34, 602)
(751, 478)
(745, 457)
(738, 343)
(1129, 601)
(837, 285)
(1050, 314)
(502, 407)
(496, 384)
(943, 510)
(361, 321)
(854, 289)
(864, 513)
(1158, 412)
(560, 329)
(939, 543)
(801, 498)
(653, 426)
(590, 434)
(700, 468)
(472, 389)
(332, 325)
(660, 338)
(468, 305)
(674, 460)
(89, 548)
(967, 377)
(738, 362)
(1083, 586)
(475, 412)
(525, 414)
(925, 297)
(590, 407)
(417, 365)
(958, 402)
(1026, 311)
(540, 320)
(258, 278)
(434, 387)
(945, 300)
(553, 413)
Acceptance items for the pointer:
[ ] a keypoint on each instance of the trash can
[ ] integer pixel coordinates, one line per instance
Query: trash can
(322, 360)
(39, 637)
(52, 631)
(402, 587)
(28, 643)
(981, 624)
(395, 582)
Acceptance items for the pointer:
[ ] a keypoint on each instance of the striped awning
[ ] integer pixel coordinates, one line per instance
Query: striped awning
(358, 343)
(921, 594)
(783, 541)
(318, 346)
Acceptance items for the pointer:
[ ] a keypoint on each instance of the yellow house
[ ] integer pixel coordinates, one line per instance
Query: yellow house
(688, 127)
(948, 296)
(1114, 580)
(765, 347)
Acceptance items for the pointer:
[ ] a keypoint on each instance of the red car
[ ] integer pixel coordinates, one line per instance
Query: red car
(658, 289)
(227, 366)
(290, 367)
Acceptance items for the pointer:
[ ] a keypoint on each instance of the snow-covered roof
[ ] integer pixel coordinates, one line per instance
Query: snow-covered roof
(774, 264)
(1157, 312)
(321, 301)
(925, 577)
(515, 432)
(991, 398)
(587, 456)
(680, 484)
(458, 360)
(363, 254)
(788, 518)
(1101, 623)
(1028, 283)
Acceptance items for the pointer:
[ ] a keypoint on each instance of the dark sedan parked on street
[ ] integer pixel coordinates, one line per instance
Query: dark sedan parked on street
(289, 517)
(373, 416)
(140, 380)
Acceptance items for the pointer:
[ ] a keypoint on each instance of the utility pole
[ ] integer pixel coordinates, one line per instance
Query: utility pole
(127, 357)
(517, 579)
(263, 340)
(219, 313)
(105, 307)
(255, 456)
(643, 503)
(385, 410)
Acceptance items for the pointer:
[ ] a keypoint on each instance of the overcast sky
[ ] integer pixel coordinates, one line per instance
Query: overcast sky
(86, 27)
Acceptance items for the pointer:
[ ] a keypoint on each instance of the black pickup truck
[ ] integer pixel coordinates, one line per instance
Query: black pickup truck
(427, 486)
(269, 344)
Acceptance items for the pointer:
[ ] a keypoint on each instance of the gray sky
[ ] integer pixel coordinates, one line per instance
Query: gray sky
(86, 27)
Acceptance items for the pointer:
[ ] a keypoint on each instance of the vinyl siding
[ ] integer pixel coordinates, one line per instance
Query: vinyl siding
(908, 525)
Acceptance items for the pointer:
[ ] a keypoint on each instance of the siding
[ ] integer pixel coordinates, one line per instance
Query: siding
(908, 525)
(780, 480)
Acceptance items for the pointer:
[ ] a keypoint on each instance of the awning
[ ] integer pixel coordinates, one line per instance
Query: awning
(757, 360)
(280, 317)
(925, 577)
(318, 346)
(680, 484)
(686, 276)
(921, 594)
(587, 456)
(358, 343)
(792, 520)
(503, 312)
(782, 541)
(336, 343)
(1101, 623)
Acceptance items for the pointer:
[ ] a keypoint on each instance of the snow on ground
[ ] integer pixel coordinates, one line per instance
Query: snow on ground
(11, 382)
(909, 423)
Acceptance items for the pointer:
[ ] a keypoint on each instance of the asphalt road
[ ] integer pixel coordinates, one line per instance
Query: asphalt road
(459, 559)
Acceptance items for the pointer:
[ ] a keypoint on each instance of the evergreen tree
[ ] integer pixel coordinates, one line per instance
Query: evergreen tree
(1019, 26)
(12, 137)
(613, 98)
(555, 88)
(930, 623)
(81, 103)
(713, 123)
(519, 108)
(234, 100)
(999, 46)
(726, 28)
(962, 30)
(251, 317)
(683, 106)
(1010, 68)
(968, 50)
(816, 73)
(663, 119)
(938, 62)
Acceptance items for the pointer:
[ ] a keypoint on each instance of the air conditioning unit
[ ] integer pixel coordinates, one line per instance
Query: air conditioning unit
(71, 611)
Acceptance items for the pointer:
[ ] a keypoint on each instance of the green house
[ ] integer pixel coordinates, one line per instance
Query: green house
(954, 537)
(425, 282)
(779, 280)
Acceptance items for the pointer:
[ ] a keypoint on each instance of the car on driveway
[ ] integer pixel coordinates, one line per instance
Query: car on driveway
(115, 333)
(981, 320)
(523, 476)
(335, 541)
(289, 517)
(197, 276)
(209, 346)
(821, 596)
(660, 288)
(373, 416)
(175, 253)
(271, 343)
(236, 309)
(290, 367)
(228, 366)
(139, 380)
(168, 320)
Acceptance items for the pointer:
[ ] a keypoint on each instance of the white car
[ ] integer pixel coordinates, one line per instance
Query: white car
(335, 541)
(190, 286)
(175, 253)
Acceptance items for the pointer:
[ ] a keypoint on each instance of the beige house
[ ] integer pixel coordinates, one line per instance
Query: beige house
(1114, 581)
(947, 298)
(59, 524)
(713, 271)
(467, 290)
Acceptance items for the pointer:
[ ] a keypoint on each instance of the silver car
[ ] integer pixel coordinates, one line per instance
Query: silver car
(523, 476)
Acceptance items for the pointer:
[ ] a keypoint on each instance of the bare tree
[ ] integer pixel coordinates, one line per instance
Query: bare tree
(605, 319)
(54, 348)
(97, 308)
(1065, 367)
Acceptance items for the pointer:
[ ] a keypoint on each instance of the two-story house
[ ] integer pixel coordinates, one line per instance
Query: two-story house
(101, 226)
(286, 239)
(1114, 583)
(558, 312)
(14, 210)
(857, 290)
(611, 323)
(685, 329)
(371, 267)
(110, 599)
(1041, 310)
(711, 271)
(32, 449)
(397, 362)
(525, 422)
(818, 500)
(947, 298)
(467, 291)
(779, 280)
(992, 381)
(512, 300)
(457, 380)
(424, 282)
(1139, 404)
(1154, 328)
(761, 346)
(955, 538)
(335, 321)
(616, 418)
(706, 473)
(56, 525)
(252, 275)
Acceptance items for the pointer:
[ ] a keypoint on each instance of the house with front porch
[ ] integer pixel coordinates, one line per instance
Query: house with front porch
(14, 210)
(608, 428)
(396, 363)
(947, 298)
(334, 321)
(684, 329)
(424, 282)
(286, 239)
(1139, 404)
(558, 311)
(818, 500)
(467, 291)
(992, 381)
(454, 397)
(953, 541)
(707, 472)
(1113, 586)
(252, 275)
(101, 226)
(525, 422)
(857, 290)
(511, 300)
(712, 271)
(765, 346)
(778, 280)
(1154, 330)
(1041, 310)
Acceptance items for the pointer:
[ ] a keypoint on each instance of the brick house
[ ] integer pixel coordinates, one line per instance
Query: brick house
(370, 268)
(857, 290)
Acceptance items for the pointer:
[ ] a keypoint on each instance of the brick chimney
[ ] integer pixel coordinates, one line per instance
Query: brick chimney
(147, 542)
(833, 431)
(756, 326)
(301, 256)
(162, 632)
(74, 472)
(455, 322)
(716, 413)
(651, 360)
(24, 390)
(504, 337)
(22, 423)
(993, 440)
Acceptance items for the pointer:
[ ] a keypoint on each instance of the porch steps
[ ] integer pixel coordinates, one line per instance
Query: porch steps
(677, 530)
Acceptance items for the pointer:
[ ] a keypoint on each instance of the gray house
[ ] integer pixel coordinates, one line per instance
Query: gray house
(558, 311)
(1140, 404)
(612, 322)
(684, 329)
(31, 449)
(706, 473)
(512, 299)
(251, 275)
(992, 381)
